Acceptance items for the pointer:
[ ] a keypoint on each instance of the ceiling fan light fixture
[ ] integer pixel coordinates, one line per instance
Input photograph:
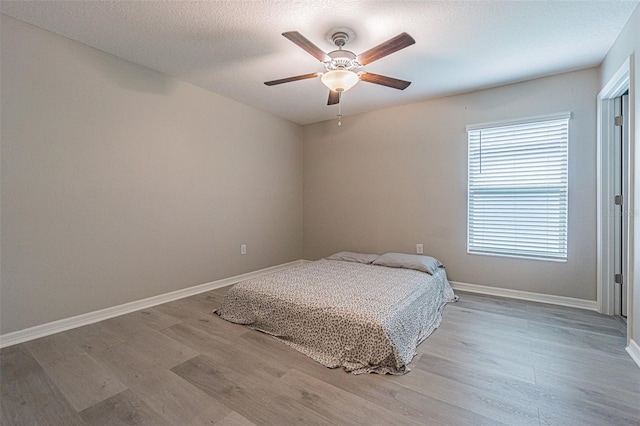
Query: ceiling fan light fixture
(340, 80)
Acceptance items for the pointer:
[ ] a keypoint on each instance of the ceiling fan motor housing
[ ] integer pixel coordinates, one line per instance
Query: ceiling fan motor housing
(341, 60)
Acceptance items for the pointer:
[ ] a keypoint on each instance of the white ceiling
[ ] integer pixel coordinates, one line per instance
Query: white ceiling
(232, 47)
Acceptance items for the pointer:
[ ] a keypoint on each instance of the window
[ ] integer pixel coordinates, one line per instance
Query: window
(518, 188)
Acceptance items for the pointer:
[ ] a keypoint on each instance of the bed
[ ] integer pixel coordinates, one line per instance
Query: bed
(365, 313)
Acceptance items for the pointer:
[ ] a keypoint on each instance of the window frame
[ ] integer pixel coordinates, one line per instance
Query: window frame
(513, 252)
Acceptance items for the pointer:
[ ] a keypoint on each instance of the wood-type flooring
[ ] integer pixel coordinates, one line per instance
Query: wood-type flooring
(493, 361)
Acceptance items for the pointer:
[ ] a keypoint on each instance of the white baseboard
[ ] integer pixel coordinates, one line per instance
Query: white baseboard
(47, 329)
(634, 351)
(571, 302)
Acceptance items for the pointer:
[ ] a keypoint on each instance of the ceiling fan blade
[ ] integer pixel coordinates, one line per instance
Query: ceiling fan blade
(334, 98)
(387, 48)
(384, 80)
(290, 79)
(304, 43)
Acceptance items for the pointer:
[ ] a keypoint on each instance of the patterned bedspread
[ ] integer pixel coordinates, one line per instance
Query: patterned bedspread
(364, 318)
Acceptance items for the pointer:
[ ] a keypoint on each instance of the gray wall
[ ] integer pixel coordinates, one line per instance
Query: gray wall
(627, 44)
(389, 179)
(119, 183)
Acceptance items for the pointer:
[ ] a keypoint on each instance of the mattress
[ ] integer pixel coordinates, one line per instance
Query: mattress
(364, 318)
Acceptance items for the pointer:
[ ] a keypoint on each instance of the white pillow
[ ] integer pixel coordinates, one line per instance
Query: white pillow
(426, 264)
(349, 256)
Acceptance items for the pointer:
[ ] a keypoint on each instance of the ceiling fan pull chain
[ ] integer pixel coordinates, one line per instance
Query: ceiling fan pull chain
(339, 109)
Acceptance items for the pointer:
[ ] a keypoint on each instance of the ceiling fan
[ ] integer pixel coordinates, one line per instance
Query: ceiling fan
(344, 68)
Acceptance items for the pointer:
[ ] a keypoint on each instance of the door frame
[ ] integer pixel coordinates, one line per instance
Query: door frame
(619, 83)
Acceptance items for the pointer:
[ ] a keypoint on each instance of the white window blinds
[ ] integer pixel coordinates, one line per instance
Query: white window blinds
(518, 188)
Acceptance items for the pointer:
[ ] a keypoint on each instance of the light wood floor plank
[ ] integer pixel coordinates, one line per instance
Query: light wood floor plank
(16, 363)
(93, 337)
(246, 394)
(611, 397)
(176, 400)
(122, 409)
(497, 406)
(335, 404)
(225, 352)
(79, 377)
(159, 347)
(436, 412)
(191, 308)
(28, 396)
(577, 338)
(234, 419)
(495, 337)
(480, 379)
(583, 412)
(490, 356)
(553, 347)
(139, 321)
(612, 372)
(474, 318)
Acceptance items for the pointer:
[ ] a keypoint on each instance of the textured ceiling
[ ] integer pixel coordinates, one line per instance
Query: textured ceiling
(232, 47)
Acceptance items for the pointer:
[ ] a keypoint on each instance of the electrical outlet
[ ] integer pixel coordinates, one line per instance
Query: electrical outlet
(419, 249)
(243, 249)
